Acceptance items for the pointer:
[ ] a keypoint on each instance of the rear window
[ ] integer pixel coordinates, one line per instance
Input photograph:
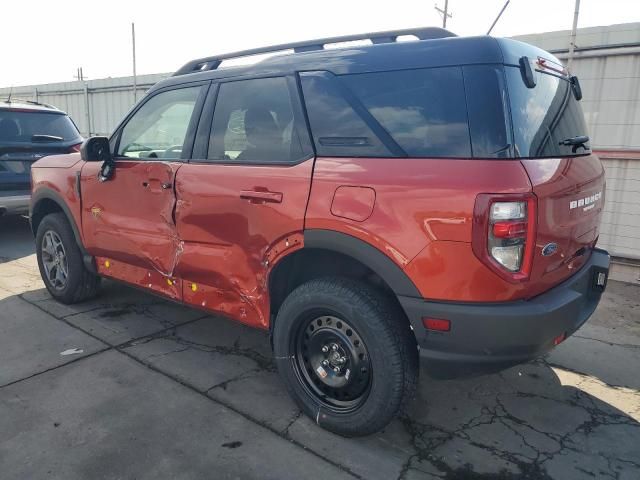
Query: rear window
(543, 116)
(21, 127)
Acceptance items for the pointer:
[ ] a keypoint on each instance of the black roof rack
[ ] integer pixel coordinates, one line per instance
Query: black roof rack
(212, 63)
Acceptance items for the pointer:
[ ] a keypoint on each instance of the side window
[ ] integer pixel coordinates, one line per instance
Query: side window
(488, 111)
(423, 110)
(253, 121)
(338, 130)
(159, 128)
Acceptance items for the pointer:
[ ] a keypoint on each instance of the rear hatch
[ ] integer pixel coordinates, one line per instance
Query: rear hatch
(26, 135)
(566, 177)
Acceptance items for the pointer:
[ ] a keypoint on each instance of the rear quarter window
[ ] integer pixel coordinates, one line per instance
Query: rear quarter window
(338, 130)
(488, 109)
(423, 110)
(442, 112)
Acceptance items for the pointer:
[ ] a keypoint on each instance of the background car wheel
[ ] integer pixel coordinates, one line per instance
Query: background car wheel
(346, 354)
(60, 261)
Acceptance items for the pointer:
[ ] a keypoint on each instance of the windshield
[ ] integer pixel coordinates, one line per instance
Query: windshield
(544, 116)
(20, 126)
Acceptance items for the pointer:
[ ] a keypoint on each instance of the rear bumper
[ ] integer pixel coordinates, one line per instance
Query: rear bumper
(14, 203)
(489, 337)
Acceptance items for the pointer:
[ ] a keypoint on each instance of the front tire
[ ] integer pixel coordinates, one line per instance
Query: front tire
(346, 354)
(60, 261)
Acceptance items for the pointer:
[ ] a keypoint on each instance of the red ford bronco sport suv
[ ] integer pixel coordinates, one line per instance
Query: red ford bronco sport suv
(366, 205)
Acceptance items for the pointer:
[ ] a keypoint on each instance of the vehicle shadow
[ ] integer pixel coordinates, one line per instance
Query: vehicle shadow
(531, 421)
(16, 239)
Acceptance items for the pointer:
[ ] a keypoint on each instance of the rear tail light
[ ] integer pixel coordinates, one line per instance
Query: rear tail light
(75, 148)
(504, 233)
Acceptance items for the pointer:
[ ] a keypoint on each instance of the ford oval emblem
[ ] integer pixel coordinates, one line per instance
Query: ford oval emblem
(549, 249)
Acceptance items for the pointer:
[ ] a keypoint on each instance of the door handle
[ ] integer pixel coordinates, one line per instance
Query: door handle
(255, 196)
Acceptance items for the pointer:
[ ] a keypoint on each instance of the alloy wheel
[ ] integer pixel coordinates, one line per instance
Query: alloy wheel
(54, 260)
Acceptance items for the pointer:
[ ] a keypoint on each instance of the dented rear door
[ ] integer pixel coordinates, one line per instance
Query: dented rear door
(241, 200)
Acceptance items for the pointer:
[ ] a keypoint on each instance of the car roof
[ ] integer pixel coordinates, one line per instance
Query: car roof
(28, 106)
(435, 52)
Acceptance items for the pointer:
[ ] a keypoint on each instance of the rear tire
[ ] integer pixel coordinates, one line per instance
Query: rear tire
(346, 354)
(60, 261)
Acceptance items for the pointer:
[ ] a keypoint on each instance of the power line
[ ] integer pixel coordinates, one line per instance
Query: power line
(445, 13)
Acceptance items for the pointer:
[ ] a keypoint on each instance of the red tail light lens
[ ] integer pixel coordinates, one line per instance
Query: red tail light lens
(509, 229)
(504, 233)
(75, 148)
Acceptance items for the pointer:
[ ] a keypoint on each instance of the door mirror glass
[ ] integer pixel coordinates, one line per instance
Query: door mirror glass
(96, 149)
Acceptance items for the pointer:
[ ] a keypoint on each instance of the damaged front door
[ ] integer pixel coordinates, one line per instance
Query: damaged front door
(128, 220)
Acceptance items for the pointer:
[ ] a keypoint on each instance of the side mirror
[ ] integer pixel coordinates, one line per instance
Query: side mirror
(528, 75)
(575, 86)
(97, 149)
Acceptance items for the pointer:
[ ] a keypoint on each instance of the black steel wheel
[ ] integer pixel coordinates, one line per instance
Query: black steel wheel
(346, 354)
(332, 361)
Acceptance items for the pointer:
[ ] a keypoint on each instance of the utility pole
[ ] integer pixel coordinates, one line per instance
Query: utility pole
(445, 13)
(135, 78)
(572, 42)
(79, 75)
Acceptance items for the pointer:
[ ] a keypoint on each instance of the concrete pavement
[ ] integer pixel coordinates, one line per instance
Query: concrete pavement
(131, 386)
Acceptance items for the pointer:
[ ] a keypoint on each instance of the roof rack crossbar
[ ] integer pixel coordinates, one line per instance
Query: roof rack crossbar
(212, 63)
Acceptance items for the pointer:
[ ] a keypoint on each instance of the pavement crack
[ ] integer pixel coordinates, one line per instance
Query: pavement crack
(265, 363)
(234, 409)
(611, 344)
(223, 385)
(293, 420)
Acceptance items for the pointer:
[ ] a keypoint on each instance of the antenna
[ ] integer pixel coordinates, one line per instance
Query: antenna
(9, 97)
(445, 13)
(498, 17)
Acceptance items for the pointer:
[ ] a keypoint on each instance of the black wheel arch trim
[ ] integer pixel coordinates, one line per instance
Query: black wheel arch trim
(365, 253)
(50, 194)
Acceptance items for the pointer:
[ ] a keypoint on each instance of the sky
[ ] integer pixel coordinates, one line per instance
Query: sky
(44, 41)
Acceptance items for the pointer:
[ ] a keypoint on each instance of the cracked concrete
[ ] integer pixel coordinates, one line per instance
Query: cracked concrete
(164, 391)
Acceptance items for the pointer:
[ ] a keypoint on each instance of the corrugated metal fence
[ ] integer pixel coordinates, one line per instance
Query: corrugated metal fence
(607, 63)
(95, 105)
